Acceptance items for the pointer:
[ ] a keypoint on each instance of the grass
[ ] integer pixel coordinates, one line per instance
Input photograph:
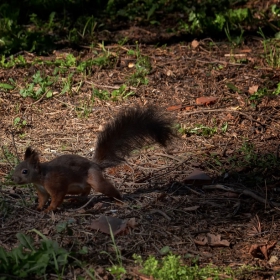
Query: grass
(27, 260)
(41, 27)
(39, 86)
(202, 130)
(39, 259)
(251, 167)
(271, 49)
(142, 68)
(59, 74)
(262, 92)
(173, 267)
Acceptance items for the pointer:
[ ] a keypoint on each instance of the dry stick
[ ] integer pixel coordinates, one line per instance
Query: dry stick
(14, 144)
(166, 172)
(3, 151)
(40, 99)
(105, 86)
(224, 110)
(85, 205)
(160, 212)
(242, 191)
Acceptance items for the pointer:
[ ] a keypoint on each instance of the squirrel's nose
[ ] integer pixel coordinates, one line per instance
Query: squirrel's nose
(16, 179)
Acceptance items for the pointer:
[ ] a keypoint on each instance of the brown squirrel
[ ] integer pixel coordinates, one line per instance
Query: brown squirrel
(72, 174)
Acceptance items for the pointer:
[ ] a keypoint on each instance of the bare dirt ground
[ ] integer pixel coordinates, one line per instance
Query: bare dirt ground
(169, 209)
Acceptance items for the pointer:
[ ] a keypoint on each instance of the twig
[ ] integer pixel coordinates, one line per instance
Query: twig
(6, 156)
(242, 191)
(39, 100)
(74, 210)
(105, 86)
(166, 172)
(223, 110)
(162, 213)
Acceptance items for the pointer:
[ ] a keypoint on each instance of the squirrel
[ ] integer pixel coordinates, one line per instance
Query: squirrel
(131, 129)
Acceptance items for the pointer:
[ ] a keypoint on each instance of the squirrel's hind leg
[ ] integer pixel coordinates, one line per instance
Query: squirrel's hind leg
(100, 184)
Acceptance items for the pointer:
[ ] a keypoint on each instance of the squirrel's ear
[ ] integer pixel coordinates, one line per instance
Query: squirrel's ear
(28, 153)
(32, 157)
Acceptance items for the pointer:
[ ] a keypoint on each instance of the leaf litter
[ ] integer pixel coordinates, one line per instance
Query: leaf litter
(169, 207)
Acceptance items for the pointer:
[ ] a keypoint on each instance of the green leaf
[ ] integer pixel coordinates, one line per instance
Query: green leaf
(60, 227)
(233, 87)
(6, 86)
(165, 250)
(16, 120)
(49, 94)
(3, 256)
(25, 241)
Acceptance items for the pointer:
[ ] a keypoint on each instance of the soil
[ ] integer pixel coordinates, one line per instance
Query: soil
(239, 152)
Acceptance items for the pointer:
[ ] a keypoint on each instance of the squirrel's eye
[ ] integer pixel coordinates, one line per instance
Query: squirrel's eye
(24, 171)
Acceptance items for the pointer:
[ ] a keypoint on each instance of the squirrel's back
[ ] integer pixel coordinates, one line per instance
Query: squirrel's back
(131, 129)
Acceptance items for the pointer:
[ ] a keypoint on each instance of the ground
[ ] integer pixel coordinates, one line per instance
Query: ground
(233, 139)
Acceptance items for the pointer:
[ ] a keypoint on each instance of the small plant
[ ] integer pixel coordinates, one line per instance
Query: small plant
(69, 61)
(84, 110)
(19, 123)
(12, 61)
(117, 269)
(28, 260)
(122, 92)
(38, 87)
(200, 130)
(172, 267)
(6, 86)
(142, 68)
(271, 50)
(106, 59)
(101, 94)
(234, 40)
(224, 127)
(260, 93)
(67, 84)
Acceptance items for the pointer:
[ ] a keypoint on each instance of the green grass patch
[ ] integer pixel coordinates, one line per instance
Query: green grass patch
(173, 267)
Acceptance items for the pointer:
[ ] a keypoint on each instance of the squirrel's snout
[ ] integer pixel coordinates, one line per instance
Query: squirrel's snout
(16, 179)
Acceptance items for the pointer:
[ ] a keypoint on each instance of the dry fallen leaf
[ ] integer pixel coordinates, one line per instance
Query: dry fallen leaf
(98, 205)
(254, 226)
(201, 241)
(131, 65)
(215, 240)
(175, 107)
(272, 260)
(102, 224)
(229, 117)
(206, 100)
(189, 108)
(169, 73)
(132, 222)
(192, 208)
(246, 50)
(262, 250)
(194, 44)
(198, 178)
(253, 89)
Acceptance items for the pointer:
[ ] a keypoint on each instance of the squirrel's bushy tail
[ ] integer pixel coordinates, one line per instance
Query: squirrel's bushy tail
(131, 129)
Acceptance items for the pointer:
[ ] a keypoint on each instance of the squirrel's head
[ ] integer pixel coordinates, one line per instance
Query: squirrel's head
(28, 170)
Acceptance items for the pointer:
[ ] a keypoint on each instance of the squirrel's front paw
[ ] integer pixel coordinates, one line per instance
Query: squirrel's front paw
(39, 208)
(49, 209)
